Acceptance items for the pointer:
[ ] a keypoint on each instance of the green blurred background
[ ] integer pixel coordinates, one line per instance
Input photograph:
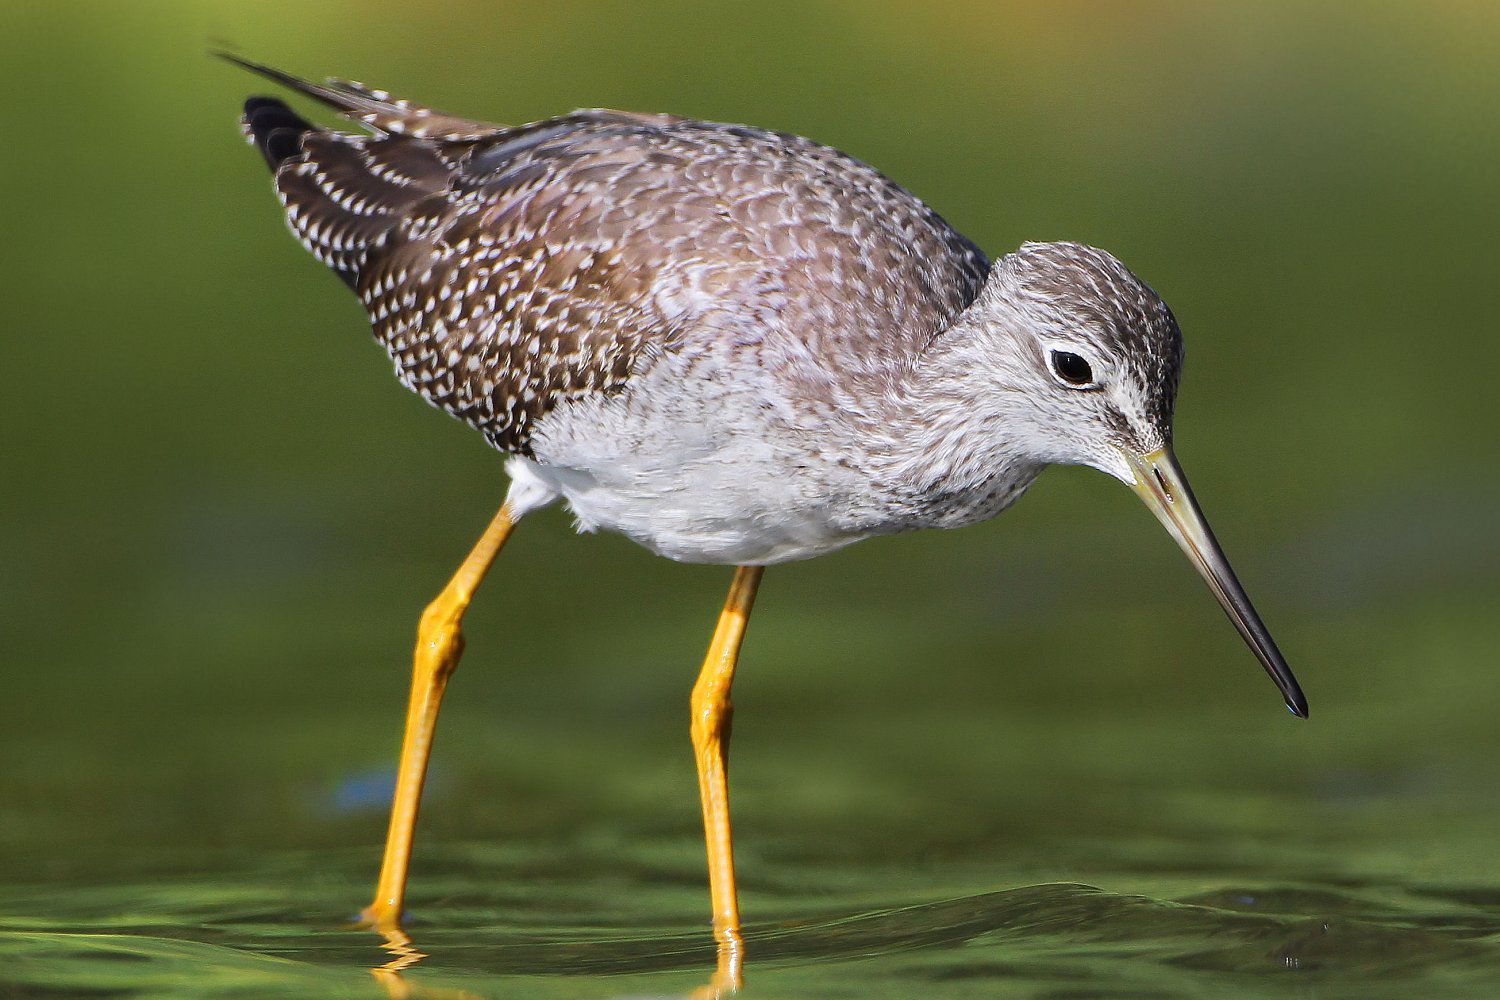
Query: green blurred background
(221, 517)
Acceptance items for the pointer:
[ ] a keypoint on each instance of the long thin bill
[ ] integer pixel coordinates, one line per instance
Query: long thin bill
(1160, 483)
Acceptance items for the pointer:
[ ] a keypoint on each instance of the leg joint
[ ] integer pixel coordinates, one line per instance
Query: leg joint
(711, 713)
(442, 614)
(440, 638)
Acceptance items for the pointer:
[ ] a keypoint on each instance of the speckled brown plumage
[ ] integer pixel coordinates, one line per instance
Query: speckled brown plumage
(509, 270)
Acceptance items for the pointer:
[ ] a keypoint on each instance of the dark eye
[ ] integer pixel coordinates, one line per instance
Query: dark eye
(1071, 368)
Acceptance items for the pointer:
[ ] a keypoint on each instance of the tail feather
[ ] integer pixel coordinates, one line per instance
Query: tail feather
(347, 196)
(375, 108)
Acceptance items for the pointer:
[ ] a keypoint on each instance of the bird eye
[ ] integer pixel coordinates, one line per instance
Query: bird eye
(1072, 369)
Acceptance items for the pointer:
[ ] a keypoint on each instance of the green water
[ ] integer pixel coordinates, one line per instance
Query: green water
(1029, 759)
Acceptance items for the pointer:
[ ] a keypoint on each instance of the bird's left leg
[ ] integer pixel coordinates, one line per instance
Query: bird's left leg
(710, 730)
(440, 642)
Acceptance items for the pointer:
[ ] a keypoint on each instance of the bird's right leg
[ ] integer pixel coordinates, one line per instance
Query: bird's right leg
(710, 731)
(440, 642)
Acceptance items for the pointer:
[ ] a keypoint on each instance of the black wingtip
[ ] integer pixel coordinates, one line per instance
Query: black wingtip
(275, 129)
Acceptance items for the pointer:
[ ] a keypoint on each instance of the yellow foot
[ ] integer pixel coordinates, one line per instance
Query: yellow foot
(727, 979)
(717, 988)
(382, 921)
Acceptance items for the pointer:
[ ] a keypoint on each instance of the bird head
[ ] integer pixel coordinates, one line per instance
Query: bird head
(1089, 356)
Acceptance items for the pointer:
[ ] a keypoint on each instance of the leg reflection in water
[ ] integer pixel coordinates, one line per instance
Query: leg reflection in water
(404, 954)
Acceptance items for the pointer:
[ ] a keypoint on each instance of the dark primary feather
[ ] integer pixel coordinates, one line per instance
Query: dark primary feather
(510, 269)
(275, 129)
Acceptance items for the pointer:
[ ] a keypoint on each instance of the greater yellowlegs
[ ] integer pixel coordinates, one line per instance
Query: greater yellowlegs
(731, 345)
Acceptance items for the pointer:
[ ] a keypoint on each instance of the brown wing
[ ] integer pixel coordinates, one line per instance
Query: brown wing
(508, 270)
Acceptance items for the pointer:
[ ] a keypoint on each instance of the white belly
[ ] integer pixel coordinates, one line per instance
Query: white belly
(706, 523)
(699, 477)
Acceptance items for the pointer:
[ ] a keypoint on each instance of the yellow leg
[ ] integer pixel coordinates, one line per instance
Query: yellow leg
(440, 642)
(711, 713)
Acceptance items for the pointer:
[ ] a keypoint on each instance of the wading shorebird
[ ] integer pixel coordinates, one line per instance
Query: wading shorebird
(732, 345)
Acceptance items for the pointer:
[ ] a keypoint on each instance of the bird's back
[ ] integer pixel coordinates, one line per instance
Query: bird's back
(509, 270)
